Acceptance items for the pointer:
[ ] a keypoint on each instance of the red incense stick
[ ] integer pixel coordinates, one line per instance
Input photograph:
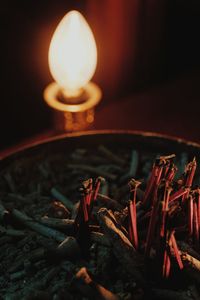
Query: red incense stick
(90, 191)
(190, 172)
(84, 208)
(133, 234)
(97, 187)
(198, 206)
(176, 250)
(150, 184)
(133, 224)
(165, 209)
(171, 173)
(178, 194)
(196, 224)
(190, 215)
(166, 265)
(152, 224)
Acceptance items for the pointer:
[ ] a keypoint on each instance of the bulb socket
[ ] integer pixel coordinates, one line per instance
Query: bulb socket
(73, 113)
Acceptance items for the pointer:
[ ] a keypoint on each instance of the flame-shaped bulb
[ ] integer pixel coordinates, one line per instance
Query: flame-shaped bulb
(72, 53)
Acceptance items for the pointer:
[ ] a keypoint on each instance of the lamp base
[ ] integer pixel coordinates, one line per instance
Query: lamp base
(71, 116)
(70, 122)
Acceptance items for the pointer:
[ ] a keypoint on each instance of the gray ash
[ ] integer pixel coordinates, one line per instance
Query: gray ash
(39, 204)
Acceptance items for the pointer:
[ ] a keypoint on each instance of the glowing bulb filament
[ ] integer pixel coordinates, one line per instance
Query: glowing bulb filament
(72, 53)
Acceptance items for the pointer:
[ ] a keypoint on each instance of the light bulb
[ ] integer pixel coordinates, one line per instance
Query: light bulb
(72, 53)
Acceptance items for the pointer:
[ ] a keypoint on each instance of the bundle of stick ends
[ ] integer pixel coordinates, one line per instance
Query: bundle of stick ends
(88, 226)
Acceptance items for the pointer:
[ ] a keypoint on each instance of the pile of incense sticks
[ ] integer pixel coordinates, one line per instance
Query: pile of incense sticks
(118, 238)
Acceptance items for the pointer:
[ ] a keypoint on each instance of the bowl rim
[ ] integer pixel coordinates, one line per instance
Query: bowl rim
(21, 148)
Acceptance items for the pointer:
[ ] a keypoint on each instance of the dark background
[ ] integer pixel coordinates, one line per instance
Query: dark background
(148, 65)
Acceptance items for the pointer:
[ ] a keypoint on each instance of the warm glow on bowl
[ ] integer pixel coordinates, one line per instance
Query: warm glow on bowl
(72, 53)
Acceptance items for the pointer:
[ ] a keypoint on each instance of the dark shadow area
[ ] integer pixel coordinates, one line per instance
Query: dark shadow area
(148, 65)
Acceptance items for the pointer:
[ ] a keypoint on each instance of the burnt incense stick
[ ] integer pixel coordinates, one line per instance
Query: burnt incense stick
(165, 294)
(10, 182)
(100, 238)
(110, 155)
(92, 289)
(109, 202)
(191, 261)
(139, 241)
(92, 170)
(122, 247)
(29, 222)
(65, 201)
(12, 232)
(62, 224)
(4, 214)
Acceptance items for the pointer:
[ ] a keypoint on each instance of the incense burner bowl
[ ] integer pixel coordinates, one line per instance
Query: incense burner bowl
(143, 141)
(40, 183)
